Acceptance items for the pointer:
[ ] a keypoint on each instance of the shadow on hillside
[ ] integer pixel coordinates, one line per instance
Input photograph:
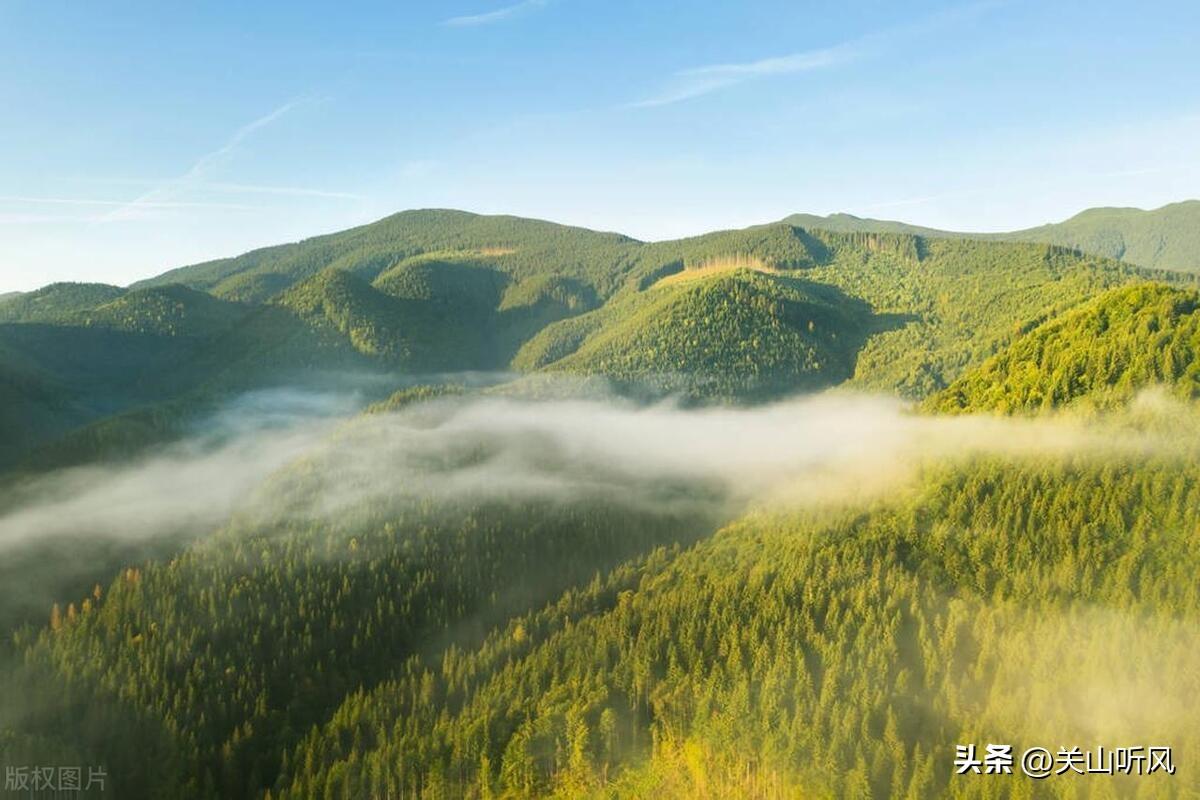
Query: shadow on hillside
(850, 322)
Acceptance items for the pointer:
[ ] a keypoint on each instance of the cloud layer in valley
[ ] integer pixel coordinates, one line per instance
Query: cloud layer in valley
(804, 451)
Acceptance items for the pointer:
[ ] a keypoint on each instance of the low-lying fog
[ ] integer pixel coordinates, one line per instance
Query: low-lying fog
(805, 450)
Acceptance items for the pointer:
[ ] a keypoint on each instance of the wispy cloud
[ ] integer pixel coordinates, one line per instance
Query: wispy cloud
(21, 218)
(499, 14)
(697, 81)
(228, 187)
(797, 62)
(291, 191)
(693, 82)
(202, 167)
(87, 201)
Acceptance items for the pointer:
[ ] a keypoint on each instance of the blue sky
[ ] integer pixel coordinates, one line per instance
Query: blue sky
(141, 136)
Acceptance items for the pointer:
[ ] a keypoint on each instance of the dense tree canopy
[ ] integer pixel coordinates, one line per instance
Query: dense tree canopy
(380, 617)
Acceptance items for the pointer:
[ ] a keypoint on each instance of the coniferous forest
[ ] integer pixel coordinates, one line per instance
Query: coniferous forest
(462, 506)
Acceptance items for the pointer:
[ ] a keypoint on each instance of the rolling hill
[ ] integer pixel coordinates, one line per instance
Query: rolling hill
(740, 334)
(101, 351)
(1162, 238)
(728, 316)
(1100, 354)
(902, 314)
(56, 302)
(519, 247)
(441, 598)
(791, 656)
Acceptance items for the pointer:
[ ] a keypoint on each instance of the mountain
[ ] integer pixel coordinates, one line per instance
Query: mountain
(908, 314)
(728, 316)
(291, 625)
(1163, 238)
(99, 351)
(519, 247)
(848, 223)
(739, 334)
(1100, 354)
(56, 302)
(504, 592)
(787, 655)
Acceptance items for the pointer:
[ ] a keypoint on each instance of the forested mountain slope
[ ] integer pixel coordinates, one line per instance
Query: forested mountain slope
(520, 247)
(732, 315)
(740, 334)
(90, 354)
(55, 302)
(1161, 238)
(848, 223)
(1100, 354)
(441, 598)
(844, 656)
(33, 407)
(233, 650)
(901, 313)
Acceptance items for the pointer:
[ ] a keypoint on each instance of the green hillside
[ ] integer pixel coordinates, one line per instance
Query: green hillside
(914, 313)
(789, 656)
(441, 601)
(740, 334)
(91, 372)
(519, 247)
(848, 223)
(528, 648)
(734, 315)
(961, 301)
(281, 619)
(168, 311)
(484, 287)
(33, 407)
(57, 302)
(1100, 354)
(1162, 238)
(82, 353)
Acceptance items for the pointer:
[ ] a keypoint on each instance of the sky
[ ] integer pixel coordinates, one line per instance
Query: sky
(140, 136)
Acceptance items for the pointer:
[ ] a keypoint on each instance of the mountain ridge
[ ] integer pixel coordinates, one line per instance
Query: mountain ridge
(1167, 237)
(1125, 233)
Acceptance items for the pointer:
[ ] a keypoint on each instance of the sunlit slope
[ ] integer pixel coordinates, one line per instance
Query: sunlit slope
(737, 334)
(519, 247)
(1099, 355)
(1040, 604)
(900, 313)
(960, 302)
(230, 652)
(486, 290)
(740, 315)
(1162, 238)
